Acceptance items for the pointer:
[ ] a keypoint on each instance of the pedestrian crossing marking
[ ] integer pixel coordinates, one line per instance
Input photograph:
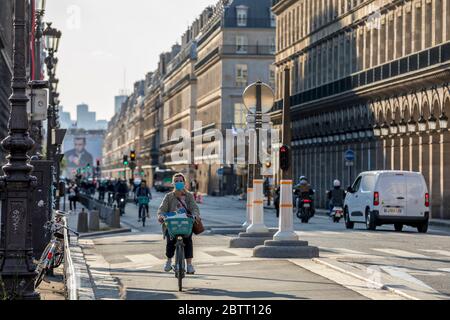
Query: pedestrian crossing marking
(438, 252)
(146, 258)
(400, 253)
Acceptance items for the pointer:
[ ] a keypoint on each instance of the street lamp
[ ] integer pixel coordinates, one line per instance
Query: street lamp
(17, 269)
(432, 122)
(443, 121)
(40, 6)
(377, 130)
(422, 124)
(411, 125)
(393, 127)
(384, 129)
(402, 126)
(52, 37)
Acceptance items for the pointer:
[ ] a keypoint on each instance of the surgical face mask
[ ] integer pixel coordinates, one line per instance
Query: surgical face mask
(179, 186)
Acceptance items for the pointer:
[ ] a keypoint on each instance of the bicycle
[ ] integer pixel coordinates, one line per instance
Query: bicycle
(179, 227)
(143, 202)
(53, 254)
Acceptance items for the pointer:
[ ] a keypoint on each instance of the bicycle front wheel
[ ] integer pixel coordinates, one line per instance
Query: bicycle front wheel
(180, 264)
(42, 266)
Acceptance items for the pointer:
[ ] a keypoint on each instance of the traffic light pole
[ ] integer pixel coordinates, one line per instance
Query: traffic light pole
(286, 223)
(257, 225)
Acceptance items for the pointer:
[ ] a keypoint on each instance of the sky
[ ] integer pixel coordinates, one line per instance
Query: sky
(105, 42)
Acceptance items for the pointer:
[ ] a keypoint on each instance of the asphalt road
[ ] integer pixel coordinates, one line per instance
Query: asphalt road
(129, 266)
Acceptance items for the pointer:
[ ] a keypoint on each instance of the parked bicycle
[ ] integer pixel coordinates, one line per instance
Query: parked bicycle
(178, 228)
(53, 255)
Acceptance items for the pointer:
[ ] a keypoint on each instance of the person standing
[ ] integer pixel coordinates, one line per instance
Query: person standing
(73, 195)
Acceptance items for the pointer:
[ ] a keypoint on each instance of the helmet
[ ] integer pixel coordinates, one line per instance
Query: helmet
(303, 183)
(336, 183)
(303, 178)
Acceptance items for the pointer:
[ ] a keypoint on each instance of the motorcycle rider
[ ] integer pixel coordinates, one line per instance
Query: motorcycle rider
(336, 196)
(303, 190)
(122, 192)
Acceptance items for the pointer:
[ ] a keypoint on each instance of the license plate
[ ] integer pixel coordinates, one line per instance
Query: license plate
(393, 210)
(306, 205)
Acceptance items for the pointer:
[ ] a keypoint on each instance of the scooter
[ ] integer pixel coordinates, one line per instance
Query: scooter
(337, 214)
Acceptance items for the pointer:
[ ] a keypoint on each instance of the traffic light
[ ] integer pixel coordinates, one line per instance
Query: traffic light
(284, 158)
(125, 160)
(98, 163)
(133, 155)
(88, 165)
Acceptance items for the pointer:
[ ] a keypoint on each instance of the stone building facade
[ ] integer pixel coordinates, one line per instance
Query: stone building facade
(371, 76)
(228, 46)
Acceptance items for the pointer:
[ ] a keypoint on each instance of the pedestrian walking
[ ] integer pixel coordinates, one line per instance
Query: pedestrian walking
(73, 196)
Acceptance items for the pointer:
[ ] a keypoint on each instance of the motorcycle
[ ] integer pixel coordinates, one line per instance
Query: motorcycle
(304, 210)
(337, 214)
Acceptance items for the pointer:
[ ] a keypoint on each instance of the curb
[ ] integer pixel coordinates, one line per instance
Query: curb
(379, 285)
(81, 285)
(104, 233)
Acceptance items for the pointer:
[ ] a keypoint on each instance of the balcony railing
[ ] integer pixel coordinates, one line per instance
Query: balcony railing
(248, 23)
(247, 50)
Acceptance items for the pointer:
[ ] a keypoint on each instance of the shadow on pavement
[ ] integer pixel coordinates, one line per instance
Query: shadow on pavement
(240, 294)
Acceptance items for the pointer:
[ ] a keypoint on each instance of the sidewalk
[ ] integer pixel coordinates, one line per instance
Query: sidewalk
(54, 289)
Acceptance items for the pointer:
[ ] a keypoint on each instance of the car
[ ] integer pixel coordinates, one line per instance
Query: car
(388, 197)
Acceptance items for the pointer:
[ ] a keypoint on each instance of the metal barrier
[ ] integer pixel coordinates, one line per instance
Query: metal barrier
(69, 269)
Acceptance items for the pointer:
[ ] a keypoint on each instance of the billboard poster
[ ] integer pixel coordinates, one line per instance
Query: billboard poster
(82, 149)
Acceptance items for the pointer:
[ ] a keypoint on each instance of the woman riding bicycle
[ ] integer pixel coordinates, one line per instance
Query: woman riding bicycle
(143, 195)
(176, 200)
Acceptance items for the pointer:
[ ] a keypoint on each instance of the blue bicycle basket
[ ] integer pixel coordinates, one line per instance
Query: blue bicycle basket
(143, 200)
(179, 226)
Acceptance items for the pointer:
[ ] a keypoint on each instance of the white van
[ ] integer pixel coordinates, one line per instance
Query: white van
(388, 197)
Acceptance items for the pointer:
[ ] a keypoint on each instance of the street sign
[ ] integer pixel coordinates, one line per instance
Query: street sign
(350, 155)
(267, 97)
(349, 163)
(220, 172)
(37, 104)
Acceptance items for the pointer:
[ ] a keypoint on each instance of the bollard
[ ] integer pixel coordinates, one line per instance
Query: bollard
(82, 221)
(248, 222)
(257, 225)
(286, 220)
(94, 220)
(115, 223)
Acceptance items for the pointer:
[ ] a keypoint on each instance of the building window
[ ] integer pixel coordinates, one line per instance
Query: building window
(241, 75)
(242, 13)
(273, 20)
(272, 48)
(272, 71)
(241, 44)
(240, 114)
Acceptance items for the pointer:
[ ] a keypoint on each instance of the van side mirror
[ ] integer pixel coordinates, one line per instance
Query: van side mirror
(350, 190)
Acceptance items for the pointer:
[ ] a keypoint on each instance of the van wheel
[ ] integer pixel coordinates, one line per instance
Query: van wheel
(348, 223)
(370, 221)
(398, 227)
(423, 228)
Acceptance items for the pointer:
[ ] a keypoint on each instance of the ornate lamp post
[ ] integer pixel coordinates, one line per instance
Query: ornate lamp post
(402, 126)
(17, 270)
(432, 122)
(443, 121)
(422, 124)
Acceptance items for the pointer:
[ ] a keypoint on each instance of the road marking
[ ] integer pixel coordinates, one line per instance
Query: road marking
(400, 253)
(402, 274)
(206, 265)
(231, 264)
(143, 268)
(348, 251)
(439, 252)
(444, 269)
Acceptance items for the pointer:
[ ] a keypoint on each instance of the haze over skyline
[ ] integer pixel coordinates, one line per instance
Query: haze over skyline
(103, 39)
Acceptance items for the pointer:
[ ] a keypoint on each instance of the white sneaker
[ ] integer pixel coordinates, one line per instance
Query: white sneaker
(190, 269)
(168, 265)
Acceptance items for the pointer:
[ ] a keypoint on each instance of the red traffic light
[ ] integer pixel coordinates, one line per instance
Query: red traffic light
(284, 157)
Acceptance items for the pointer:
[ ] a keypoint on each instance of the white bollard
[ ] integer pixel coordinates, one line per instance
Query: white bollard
(257, 225)
(286, 222)
(248, 222)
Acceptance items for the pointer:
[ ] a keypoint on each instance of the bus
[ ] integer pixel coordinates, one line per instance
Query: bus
(162, 180)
